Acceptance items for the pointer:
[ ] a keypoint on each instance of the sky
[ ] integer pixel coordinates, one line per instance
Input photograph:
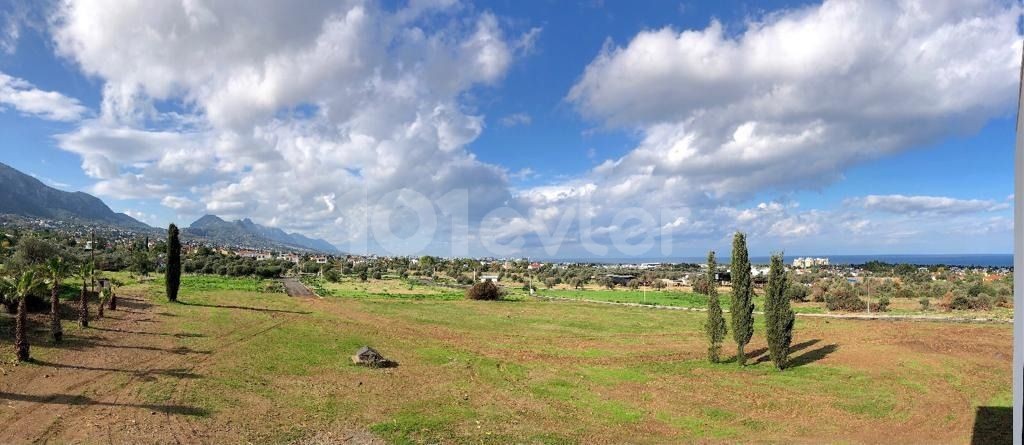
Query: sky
(544, 129)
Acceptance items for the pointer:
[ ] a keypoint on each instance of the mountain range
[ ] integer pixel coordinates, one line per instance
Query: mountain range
(245, 232)
(24, 195)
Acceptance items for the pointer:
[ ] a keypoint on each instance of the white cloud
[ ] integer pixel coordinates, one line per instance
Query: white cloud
(936, 205)
(515, 119)
(297, 117)
(798, 96)
(180, 204)
(23, 96)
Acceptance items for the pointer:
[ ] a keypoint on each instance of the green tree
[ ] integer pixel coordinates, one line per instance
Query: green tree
(742, 307)
(57, 270)
(173, 263)
(24, 285)
(85, 272)
(778, 316)
(715, 326)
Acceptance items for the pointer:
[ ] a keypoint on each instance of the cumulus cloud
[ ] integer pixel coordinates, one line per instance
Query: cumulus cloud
(180, 204)
(938, 205)
(297, 117)
(22, 96)
(307, 118)
(798, 96)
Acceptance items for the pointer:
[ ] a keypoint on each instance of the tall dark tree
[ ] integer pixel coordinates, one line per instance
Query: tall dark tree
(173, 263)
(715, 326)
(778, 316)
(742, 307)
(57, 269)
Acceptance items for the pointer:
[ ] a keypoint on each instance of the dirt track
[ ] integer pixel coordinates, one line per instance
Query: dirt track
(86, 393)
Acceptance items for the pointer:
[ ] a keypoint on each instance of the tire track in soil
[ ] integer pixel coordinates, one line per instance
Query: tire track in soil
(103, 395)
(77, 388)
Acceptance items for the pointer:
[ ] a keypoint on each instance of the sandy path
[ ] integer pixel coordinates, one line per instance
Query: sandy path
(86, 393)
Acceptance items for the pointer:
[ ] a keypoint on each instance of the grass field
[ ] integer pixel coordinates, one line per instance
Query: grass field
(263, 367)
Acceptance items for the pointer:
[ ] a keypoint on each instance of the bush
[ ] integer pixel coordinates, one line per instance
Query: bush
(925, 303)
(796, 292)
(845, 301)
(904, 293)
(881, 306)
(484, 291)
(818, 292)
(982, 302)
(959, 302)
(464, 280)
(701, 285)
(332, 275)
(1002, 300)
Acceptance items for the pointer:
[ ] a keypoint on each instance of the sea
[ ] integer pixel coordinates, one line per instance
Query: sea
(963, 260)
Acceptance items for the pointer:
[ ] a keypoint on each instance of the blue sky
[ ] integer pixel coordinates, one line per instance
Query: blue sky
(814, 127)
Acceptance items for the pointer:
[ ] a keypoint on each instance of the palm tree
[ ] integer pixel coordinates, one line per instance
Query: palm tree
(57, 269)
(113, 295)
(24, 285)
(85, 272)
(102, 297)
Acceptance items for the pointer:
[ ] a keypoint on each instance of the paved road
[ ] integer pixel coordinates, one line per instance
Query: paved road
(295, 288)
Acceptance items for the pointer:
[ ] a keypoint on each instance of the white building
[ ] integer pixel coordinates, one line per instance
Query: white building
(803, 263)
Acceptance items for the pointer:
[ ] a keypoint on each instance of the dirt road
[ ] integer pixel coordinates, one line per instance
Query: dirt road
(86, 393)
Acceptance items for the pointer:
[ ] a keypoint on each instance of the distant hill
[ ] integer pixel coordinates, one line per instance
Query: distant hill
(23, 195)
(247, 233)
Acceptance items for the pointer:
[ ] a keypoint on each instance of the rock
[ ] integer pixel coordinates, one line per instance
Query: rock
(368, 356)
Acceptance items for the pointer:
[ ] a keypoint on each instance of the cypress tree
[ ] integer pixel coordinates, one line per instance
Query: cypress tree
(173, 263)
(778, 316)
(715, 326)
(742, 307)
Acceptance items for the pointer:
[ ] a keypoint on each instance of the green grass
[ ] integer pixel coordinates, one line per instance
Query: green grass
(669, 297)
(519, 371)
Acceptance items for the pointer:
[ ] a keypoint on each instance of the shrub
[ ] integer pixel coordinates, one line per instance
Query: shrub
(958, 301)
(702, 285)
(844, 301)
(1002, 300)
(881, 306)
(796, 292)
(332, 275)
(904, 293)
(464, 280)
(981, 302)
(818, 292)
(925, 303)
(484, 291)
